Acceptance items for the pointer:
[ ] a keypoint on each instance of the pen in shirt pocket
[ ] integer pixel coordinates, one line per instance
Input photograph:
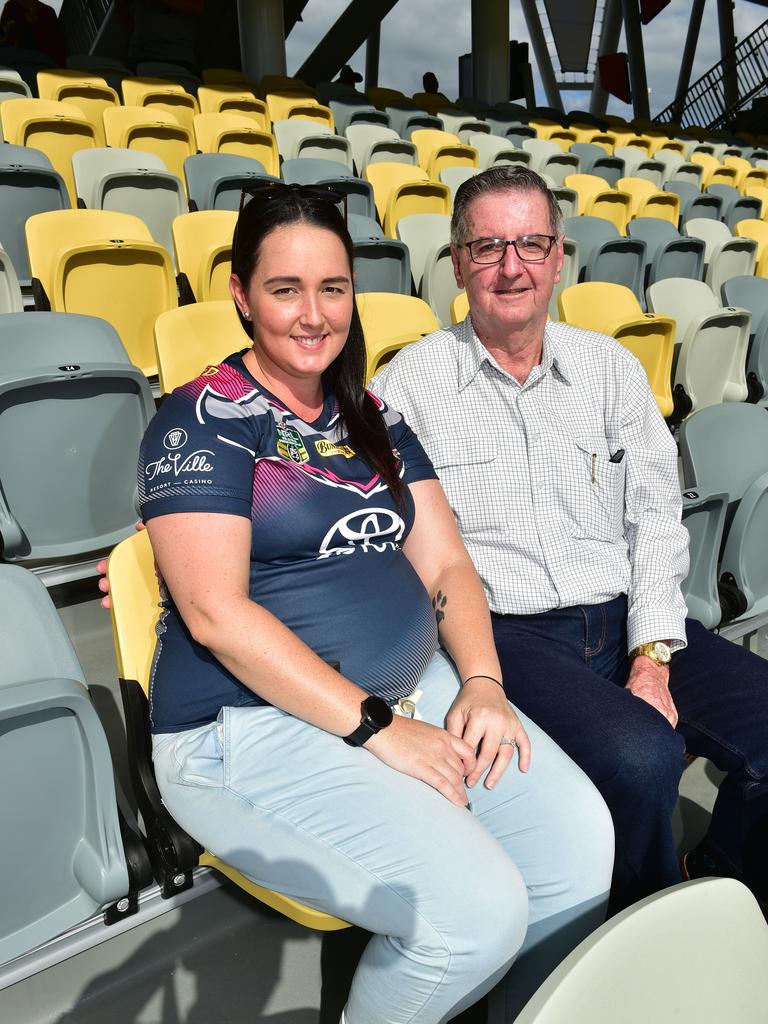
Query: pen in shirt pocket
(617, 456)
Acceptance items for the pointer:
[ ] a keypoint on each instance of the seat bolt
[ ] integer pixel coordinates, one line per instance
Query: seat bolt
(122, 906)
(178, 879)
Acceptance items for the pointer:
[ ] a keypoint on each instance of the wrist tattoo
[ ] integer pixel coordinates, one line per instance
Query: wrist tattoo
(439, 602)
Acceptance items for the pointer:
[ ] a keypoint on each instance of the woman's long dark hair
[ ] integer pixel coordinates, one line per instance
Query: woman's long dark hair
(359, 413)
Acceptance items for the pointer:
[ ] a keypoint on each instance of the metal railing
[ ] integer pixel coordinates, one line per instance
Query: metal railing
(705, 103)
(80, 21)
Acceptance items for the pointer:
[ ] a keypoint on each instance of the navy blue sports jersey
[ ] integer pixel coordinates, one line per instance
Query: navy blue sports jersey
(326, 555)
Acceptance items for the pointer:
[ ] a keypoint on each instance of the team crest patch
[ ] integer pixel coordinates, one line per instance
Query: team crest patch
(210, 371)
(328, 448)
(289, 444)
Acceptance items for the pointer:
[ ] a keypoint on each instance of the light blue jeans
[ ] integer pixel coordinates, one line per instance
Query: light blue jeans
(451, 895)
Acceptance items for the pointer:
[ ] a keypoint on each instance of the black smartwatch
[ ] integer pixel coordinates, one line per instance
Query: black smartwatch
(376, 715)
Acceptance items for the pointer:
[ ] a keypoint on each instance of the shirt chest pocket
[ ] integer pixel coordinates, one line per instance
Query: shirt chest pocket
(467, 468)
(592, 491)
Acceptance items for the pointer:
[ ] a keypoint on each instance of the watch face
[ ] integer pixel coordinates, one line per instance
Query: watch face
(378, 712)
(662, 652)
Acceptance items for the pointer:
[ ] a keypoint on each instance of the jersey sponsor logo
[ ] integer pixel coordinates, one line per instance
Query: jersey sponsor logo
(175, 439)
(374, 529)
(290, 444)
(177, 464)
(328, 448)
(210, 371)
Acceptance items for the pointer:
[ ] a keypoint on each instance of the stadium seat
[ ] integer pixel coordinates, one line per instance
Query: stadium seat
(28, 185)
(12, 86)
(373, 143)
(647, 201)
(677, 169)
(459, 308)
(695, 205)
(711, 341)
(594, 160)
(282, 103)
(598, 201)
(705, 941)
(736, 207)
(189, 338)
(746, 172)
(439, 149)
(203, 245)
(462, 124)
(299, 138)
(169, 72)
(406, 118)
(103, 264)
(352, 109)
(668, 253)
(56, 752)
(306, 171)
(135, 611)
(89, 92)
(150, 130)
(381, 264)
(613, 309)
(215, 180)
(714, 173)
(549, 158)
(75, 408)
(231, 99)
(237, 135)
(724, 255)
(752, 293)
(423, 233)
(130, 182)
(757, 230)
(637, 164)
(493, 150)
(724, 450)
(10, 291)
(605, 255)
(161, 94)
(391, 322)
(58, 129)
(761, 193)
(400, 189)
(454, 177)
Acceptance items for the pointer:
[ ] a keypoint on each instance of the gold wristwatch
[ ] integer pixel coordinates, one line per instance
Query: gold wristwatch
(657, 650)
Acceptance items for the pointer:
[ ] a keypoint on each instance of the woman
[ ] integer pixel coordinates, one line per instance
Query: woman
(311, 561)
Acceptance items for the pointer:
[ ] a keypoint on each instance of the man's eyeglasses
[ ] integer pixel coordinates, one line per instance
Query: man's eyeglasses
(270, 190)
(529, 248)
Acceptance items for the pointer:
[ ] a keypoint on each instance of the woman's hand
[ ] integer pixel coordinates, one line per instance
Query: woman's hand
(482, 716)
(101, 569)
(428, 753)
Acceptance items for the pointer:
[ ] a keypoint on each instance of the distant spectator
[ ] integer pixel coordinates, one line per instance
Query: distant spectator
(430, 83)
(32, 25)
(347, 76)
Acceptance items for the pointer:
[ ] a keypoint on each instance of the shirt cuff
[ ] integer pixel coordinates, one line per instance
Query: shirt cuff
(645, 627)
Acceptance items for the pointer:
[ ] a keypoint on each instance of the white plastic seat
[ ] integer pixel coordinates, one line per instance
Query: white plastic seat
(297, 137)
(493, 150)
(549, 158)
(373, 143)
(724, 255)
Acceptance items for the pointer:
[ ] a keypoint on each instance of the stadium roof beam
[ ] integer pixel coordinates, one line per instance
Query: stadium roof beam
(633, 34)
(490, 50)
(691, 42)
(727, 46)
(353, 26)
(541, 53)
(262, 37)
(609, 43)
(292, 13)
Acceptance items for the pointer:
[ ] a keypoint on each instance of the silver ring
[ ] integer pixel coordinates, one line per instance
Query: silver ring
(507, 741)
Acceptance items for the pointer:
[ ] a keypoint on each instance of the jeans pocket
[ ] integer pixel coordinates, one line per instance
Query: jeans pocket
(198, 756)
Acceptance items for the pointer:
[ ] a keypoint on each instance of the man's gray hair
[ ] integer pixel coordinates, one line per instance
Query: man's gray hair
(502, 178)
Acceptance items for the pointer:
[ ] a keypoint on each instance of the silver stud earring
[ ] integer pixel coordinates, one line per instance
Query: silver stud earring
(246, 314)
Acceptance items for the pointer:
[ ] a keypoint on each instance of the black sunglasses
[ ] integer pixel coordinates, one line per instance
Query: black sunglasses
(271, 190)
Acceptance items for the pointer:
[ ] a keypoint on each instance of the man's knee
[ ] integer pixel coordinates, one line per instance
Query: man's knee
(648, 758)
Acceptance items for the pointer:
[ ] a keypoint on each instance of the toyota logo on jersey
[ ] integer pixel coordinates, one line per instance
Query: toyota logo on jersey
(372, 529)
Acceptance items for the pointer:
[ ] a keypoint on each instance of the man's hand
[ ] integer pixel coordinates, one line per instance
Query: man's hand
(482, 716)
(650, 682)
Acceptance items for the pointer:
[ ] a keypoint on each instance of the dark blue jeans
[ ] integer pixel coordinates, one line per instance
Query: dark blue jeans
(567, 670)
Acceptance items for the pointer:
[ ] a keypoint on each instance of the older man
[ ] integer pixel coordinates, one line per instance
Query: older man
(562, 475)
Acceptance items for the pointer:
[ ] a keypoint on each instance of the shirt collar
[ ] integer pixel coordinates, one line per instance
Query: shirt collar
(472, 355)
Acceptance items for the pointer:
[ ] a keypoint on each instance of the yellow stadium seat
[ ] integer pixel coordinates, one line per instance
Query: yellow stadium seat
(438, 149)
(104, 264)
(161, 94)
(280, 100)
(757, 229)
(661, 141)
(746, 173)
(189, 338)
(551, 131)
(758, 191)
(58, 129)
(613, 309)
(382, 98)
(390, 322)
(135, 610)
(402, 189)
(647, 201)
(203, 245)
(150, 130)
(231, 99)
(459, 308)
(597, 199)
(713, 173)
(89, 93)
(237, 134)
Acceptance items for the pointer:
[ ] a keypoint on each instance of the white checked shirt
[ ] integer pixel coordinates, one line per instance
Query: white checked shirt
(549, 521)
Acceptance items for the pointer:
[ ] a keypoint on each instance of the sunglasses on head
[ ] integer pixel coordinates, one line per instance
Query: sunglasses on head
(269, 191)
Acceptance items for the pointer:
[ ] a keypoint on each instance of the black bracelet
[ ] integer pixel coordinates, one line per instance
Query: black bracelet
(481, 676)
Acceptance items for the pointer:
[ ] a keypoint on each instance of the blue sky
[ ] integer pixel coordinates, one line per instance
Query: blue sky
(420, 35)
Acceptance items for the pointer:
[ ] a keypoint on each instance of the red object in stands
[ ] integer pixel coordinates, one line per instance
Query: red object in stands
(614, 75)
(650, 8)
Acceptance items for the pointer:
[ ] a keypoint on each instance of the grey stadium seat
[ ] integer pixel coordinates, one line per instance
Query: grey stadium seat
(605, 255)
(372, 143)
(595, 160)
(10, 292)
(308, 171)
(668, 253)
(695, 204)
(724, 255)
(736, 207)
(215, 180)
(752, 293)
